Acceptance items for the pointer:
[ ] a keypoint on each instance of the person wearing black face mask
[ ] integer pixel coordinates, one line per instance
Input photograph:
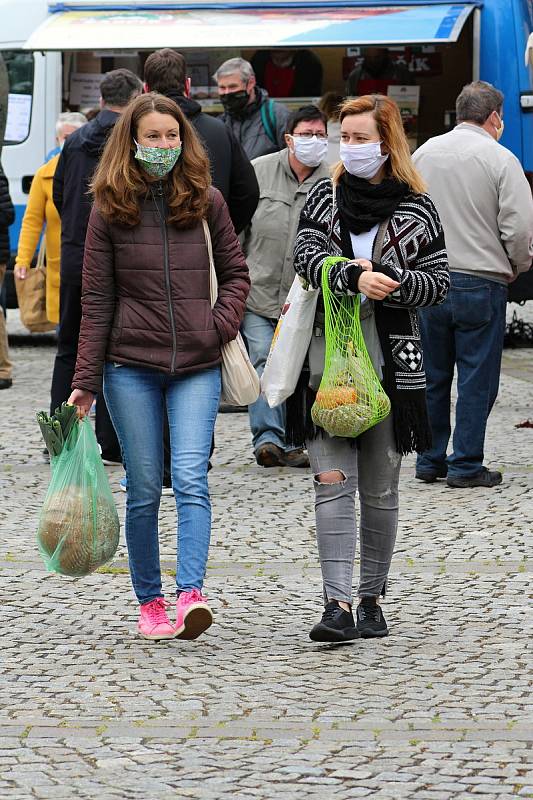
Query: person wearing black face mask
(256, 121)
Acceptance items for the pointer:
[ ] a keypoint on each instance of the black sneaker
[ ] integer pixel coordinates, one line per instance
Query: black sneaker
(430, 475)
(336, 625)
(370, 619)
(484, 478)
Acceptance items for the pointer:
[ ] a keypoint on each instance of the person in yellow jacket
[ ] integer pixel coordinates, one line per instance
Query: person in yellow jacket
(42, 211)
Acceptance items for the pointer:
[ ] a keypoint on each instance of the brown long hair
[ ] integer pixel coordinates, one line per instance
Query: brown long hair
(119, 183)
(392, 134)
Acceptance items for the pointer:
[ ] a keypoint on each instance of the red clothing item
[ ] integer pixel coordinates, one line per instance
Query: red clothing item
(279, 81)
(374, 85)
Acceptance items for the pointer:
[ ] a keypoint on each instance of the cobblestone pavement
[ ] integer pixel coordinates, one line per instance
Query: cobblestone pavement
(440, 709)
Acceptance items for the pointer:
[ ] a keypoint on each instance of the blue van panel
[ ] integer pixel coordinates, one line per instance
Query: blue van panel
(505, 27)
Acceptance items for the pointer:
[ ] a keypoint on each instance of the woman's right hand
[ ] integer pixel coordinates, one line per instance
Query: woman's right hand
(83, 399)
(375, 285)
(20, 272)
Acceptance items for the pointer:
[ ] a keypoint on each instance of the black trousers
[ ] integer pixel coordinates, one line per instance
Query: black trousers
(65, 363)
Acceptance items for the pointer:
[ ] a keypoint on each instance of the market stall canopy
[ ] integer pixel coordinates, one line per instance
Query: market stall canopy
(240, 25)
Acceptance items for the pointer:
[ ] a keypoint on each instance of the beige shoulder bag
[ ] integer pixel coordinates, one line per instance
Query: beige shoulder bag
(31, 296)
(240, 381)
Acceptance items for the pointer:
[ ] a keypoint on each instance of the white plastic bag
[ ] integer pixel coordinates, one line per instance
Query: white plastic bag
(290, 343)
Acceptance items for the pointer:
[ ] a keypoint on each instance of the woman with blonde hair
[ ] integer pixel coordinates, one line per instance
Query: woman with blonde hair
(374, 212)
(149, 331)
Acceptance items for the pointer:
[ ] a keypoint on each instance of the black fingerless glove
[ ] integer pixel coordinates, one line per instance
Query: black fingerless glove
(354, 273)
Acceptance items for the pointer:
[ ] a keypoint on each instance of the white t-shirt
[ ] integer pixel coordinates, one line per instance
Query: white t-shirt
(362, 245)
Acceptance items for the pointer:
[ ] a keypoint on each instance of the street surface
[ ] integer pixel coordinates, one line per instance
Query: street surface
(440, 709)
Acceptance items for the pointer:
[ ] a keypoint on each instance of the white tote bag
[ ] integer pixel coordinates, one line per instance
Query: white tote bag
(290, 343)
(240, 381)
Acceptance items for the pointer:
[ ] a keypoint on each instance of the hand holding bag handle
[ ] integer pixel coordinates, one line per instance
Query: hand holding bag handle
(240, 381)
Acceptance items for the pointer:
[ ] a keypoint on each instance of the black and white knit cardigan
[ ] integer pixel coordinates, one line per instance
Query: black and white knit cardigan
(413, 251)
(413, 254)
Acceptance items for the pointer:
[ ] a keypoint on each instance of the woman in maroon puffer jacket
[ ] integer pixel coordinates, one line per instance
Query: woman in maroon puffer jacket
(148, 331)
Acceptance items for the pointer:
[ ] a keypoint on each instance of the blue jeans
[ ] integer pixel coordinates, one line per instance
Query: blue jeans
(267, 424)
(467, 330)
(137, 399)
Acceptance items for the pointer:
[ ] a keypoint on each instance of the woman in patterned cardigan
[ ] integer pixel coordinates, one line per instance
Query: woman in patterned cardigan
(375, 212)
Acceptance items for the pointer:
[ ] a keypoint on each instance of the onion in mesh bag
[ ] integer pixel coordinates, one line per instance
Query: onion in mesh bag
(347, 420)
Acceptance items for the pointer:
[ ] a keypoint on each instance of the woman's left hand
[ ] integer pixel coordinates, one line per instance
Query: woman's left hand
(83, 399)
(20, 272)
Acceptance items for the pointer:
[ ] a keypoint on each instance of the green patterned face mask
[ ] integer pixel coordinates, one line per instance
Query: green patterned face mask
(157, 161)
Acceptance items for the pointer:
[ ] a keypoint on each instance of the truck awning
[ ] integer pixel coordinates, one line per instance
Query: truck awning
(244, 27)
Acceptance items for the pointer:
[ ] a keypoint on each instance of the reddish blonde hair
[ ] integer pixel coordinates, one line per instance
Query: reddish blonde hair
(120, 184)
(392, 134)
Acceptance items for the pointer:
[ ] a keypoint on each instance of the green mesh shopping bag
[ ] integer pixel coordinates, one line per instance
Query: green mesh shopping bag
(350, 399)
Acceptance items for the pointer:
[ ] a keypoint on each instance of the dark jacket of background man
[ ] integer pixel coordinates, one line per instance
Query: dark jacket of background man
(231, 170)
(7, 217)
(75, 168)
(76, 165)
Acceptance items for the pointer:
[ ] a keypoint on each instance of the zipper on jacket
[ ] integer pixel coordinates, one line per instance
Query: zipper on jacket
(164, 230)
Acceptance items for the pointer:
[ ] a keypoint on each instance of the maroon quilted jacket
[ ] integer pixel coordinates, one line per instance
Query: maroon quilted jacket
(145, 294)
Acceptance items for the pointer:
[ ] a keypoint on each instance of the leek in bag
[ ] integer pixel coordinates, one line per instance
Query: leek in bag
(350, 399)
(78, 526)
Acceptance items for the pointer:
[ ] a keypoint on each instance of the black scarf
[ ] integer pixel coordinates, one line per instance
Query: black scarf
(410, 418)
(363, 204)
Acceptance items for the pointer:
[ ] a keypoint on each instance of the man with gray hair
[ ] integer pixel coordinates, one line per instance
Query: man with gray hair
(486, 208)
(257, 122)
(66, 123)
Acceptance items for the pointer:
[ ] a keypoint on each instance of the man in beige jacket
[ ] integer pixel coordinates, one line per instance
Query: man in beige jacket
(486, 208)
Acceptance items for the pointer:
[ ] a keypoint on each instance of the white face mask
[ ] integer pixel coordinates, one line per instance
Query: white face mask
(310, 151)
(499, 131)
(362, 160)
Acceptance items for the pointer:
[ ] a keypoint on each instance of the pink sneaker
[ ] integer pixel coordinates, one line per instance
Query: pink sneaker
(154, 622)
(193, 615)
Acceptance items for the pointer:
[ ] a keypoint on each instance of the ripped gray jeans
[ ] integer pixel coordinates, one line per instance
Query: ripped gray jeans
(374, 468)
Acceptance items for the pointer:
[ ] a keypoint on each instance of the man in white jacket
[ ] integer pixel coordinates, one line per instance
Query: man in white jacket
(486, 208)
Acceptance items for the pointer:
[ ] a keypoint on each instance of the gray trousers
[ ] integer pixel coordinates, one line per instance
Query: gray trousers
(374, 469)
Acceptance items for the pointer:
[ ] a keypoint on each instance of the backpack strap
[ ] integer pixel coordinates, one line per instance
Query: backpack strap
(268, 118)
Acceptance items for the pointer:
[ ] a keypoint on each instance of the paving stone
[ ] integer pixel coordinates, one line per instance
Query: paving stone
(440, 710)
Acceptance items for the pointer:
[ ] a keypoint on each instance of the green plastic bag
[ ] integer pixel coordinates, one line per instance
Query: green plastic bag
(78, 526)
(350, 399)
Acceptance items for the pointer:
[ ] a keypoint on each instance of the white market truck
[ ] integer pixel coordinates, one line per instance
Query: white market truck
(56, 53)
